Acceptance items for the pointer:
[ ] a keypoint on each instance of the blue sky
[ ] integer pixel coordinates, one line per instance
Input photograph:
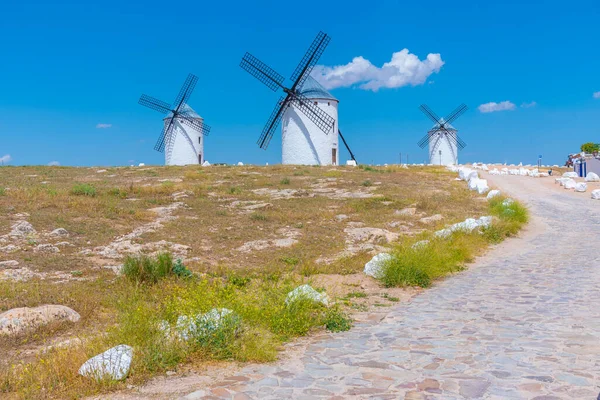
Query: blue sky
(69, 66)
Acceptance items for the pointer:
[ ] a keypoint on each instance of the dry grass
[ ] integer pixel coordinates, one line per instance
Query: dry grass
(295, 217)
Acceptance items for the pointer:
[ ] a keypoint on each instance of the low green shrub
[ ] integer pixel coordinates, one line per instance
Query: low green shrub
(144, 269)
(181, 270)
(337, 321)
(285, 181)
(83, 189)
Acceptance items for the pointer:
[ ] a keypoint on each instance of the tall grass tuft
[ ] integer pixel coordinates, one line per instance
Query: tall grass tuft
(83, 189)
(144, 269)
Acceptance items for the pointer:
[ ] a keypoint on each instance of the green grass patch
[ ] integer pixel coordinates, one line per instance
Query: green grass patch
(285, 181)
(412, 265)
(356, 295)
(83, 189)
(145, 269)
(258, 217)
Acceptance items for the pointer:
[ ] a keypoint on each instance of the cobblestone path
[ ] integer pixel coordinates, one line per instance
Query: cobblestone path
(523, 323)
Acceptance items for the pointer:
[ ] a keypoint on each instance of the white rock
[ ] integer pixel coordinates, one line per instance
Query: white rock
(112, 364)
(46, 248)
(482, 186)
(592, 177)
(468, 225)
(493, 193)
(206, 164)
(570, 174)
(596, 194)
(306, 292)
(240, 164)
(59, 232)
(21, 228)
(351, 163)
(9, 264)
(18, 320)
(485, 222)
(570, 184)
(443, 233)
(406, 211)
(581, 187)
(101, 171)
(202, 325)
(374, 267)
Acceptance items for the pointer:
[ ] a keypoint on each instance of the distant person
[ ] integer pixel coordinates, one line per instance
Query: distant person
(550, 172)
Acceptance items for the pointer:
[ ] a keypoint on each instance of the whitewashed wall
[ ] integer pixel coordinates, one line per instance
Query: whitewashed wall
(449, 152)
(303, 142)
(181, 151)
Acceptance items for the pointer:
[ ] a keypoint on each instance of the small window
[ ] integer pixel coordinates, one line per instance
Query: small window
(200, 139)
(316, 103)
(328, 103)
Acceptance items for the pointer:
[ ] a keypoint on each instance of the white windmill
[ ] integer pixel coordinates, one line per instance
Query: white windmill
(442, 138)
(309, 112)
(183, 131)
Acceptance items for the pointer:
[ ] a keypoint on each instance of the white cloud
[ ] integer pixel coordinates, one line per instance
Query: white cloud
(597, 95)
(103, 126)
(403, 69)
(529, 105)
(53, 164)
(492, 106)
(5, 159)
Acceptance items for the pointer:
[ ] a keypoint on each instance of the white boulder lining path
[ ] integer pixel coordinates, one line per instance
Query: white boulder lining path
(376, 265)
(113, 364)
(567, 180)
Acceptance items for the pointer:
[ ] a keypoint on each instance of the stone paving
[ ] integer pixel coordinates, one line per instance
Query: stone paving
(523, 323)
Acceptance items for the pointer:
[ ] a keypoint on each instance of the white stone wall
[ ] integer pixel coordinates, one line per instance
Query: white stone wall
(186, 146)
(303, 142)
(447, 147)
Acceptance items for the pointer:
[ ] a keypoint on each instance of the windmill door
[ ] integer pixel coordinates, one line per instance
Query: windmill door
(333, 156)
(200, 158)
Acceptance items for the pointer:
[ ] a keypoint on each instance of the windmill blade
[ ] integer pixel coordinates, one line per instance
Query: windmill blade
(452, 134)
(319, 117)
(195, 124)
(262, 72)
(155, 104)
(165, 134)
(425, 140)
(310, 59)
(460, 110)
(429, 113)
(274, 119)
(460, 143)
(186, 91)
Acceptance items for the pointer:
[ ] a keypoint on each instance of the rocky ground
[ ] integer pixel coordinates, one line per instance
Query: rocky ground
(521, 323)
(64, 233)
